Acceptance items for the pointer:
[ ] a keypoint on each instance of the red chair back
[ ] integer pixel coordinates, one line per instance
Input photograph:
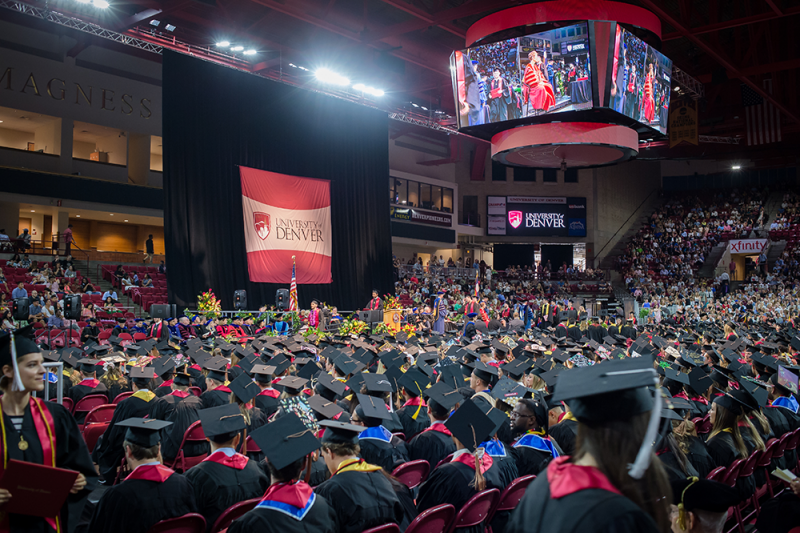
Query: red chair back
(100, 414)
(717, 474)
(733, 472)
(67, 403)
(794, 440)
(92, 434)
(513, 493)
(139, 336)
(121, 396)
(749, 465)
(89, 402)
(188, 523)
(385, 528)
(232, 513)
(193, 433)
(765, 460)
(251, 446)
(412, 473)
(434, 520)
(780, 448)
(476, 509)
(443, 461)
(197, 391)
(399, 435)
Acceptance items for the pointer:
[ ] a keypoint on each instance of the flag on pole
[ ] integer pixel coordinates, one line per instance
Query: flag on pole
(293, 288)
(763, 120)
(477, 282)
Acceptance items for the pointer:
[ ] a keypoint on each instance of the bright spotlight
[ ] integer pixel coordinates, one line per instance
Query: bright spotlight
(377, 92)
(736, 167)
(237, 48)
(102, 4)
(169, 27)
(359, 87)
(249, 52)
(224, 44)
(328, 76)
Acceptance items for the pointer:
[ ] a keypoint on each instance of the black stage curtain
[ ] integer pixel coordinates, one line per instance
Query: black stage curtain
(557, 254)
(513, 254)
(216, 118)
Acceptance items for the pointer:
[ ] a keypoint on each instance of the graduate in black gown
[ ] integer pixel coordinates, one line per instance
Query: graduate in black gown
(267, 398)
(471, 469)
(608, 485)
(217, 393)
(243, 391)
(533, 449)
(289, 505)
(225, 477)
(109, 452)
(151, 492)
(181, 408)
(31, 426)
(360, 493)
(436, 443)
(89, 385)
(413, 414)
(700, 505)
(378, 445)
(565, 430)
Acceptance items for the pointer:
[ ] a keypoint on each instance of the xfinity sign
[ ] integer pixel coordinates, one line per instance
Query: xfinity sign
(743, 246)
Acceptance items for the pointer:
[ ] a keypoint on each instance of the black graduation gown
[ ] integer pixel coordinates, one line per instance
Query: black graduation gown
(79, 391)
(530, 461)
(319, 519)
(565, 433)
(217, 487)
(234, 372)
(413, 427)
(182, 412)
(198, 379)
(587, 511)
(724, 453)
(115, 389)
(71, 454)
(394, 424)
(431, 446)
(613, 330)
(561, 331)
(699, 457)
(215, 398)
(596, 333)
(777, 421)
(361, 500)
(387, 455)
(267, 404)
(108, 453)
(162, 390)
(628, 332)
(257, 419)
(138, 504)
(574, 333)
(450, 484)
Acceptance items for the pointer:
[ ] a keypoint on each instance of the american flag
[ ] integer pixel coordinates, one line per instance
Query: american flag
(477, 283)
(293, 289)
(763, 120)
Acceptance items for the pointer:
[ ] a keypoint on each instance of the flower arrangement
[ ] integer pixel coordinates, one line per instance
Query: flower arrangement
(409, 330)
(352, 327)
(309, 331)
(391, 302)
(380, 328)
(208, 305)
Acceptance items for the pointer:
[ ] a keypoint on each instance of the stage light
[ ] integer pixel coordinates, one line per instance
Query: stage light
(155, 23)
(424, 108)
(102, 4)
(677, 88)
(169, 27)
(249, 52)
(359, 87)
(374, 92)
(126, 220)
(224, 44)
(415, 105)
(84, 1)
(32, 211)
(292, 65)
(328, 76)
(736, 167)
(237, 48)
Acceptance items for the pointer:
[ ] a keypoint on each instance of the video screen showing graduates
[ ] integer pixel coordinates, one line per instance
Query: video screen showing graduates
(640, 81)
(524, 77)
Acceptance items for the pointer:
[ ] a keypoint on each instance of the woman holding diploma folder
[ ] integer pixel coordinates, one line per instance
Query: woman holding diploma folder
(39, 432)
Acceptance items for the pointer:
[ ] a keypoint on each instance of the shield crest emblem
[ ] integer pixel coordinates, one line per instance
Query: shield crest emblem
(515, 218)
(261, 223)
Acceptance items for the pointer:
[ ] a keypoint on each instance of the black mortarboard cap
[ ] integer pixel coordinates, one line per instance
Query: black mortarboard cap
(392, 358)
(138, 372)
(292, 383)
(516, 368)
(470, 425)
(216, 367)
(699, 381)
(704, 495)
(324, 407)
(281, 363)
(676, 375)
(143, 431)
(223, 421)
(452, 375)
(263, 373)
(356, 382)
(613, 390)
(487, 373)
(88, 365)
(373, 407)
(247, 362)
(377, 383)
(414, 381)
(309, 370)
(244, 388)
(506, 389)
(334, 385)
(444, 395)
(285, 440)
(339, 432)
(163, 365)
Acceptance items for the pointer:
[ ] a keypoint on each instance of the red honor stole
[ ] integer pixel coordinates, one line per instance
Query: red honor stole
(440, 427)
(90, 382)
(45, 432)
(296, 495)
(272, 393)
(566, 478)
(237, 460)
(223, 388)
(469, 460)
(196, 367)
(700, 399)
(167, 383)
(157, 473)
(416, 401)
(179, 393)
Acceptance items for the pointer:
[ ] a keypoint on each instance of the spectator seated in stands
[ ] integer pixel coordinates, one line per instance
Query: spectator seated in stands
(55, 320)
(127, 282)
(8, 321)
(69, 273)
(88, 288)
(119, 273)
(88, 311)
(20, 291)
(147, 281)
(110, 294)
(15, 262)
(110, 304)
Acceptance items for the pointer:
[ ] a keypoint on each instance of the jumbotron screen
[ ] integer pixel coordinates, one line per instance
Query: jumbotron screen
(640, 81)
(536, 216)
(523, 77)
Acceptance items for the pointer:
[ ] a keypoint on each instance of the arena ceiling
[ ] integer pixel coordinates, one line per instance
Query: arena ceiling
(403, 46)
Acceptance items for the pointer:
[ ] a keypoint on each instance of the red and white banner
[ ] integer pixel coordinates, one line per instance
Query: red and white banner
(286, 216)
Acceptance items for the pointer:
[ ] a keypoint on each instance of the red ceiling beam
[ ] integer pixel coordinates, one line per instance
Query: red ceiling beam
(774, 7)
(728, 24)
(717, 56)
(425, 16)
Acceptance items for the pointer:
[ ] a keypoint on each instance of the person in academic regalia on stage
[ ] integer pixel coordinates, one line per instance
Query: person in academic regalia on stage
(38, 432)
(217, 393)
(499, 97)
(225, 477)
(648, 102)
(613, 483)
(470, 471)
(362, 496)
(108, 453)
(376, 304)
(435, 443)
(151, 492)
(290, 505)
(537, 90)
(533, 448)
(439, 313)
(414, 412)
(378, 445)
(89, 384)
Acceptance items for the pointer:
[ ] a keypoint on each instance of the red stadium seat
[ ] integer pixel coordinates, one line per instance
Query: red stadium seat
(100, 414)
(194, 433)
(89, 402)
(188, 523)
(67, 403)
(232, 513)
(197, 391)
(121, 396)
(385, 528)
(92, 433)
(412, 473)
(434, 520)
(510, 497)
(476, 510)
